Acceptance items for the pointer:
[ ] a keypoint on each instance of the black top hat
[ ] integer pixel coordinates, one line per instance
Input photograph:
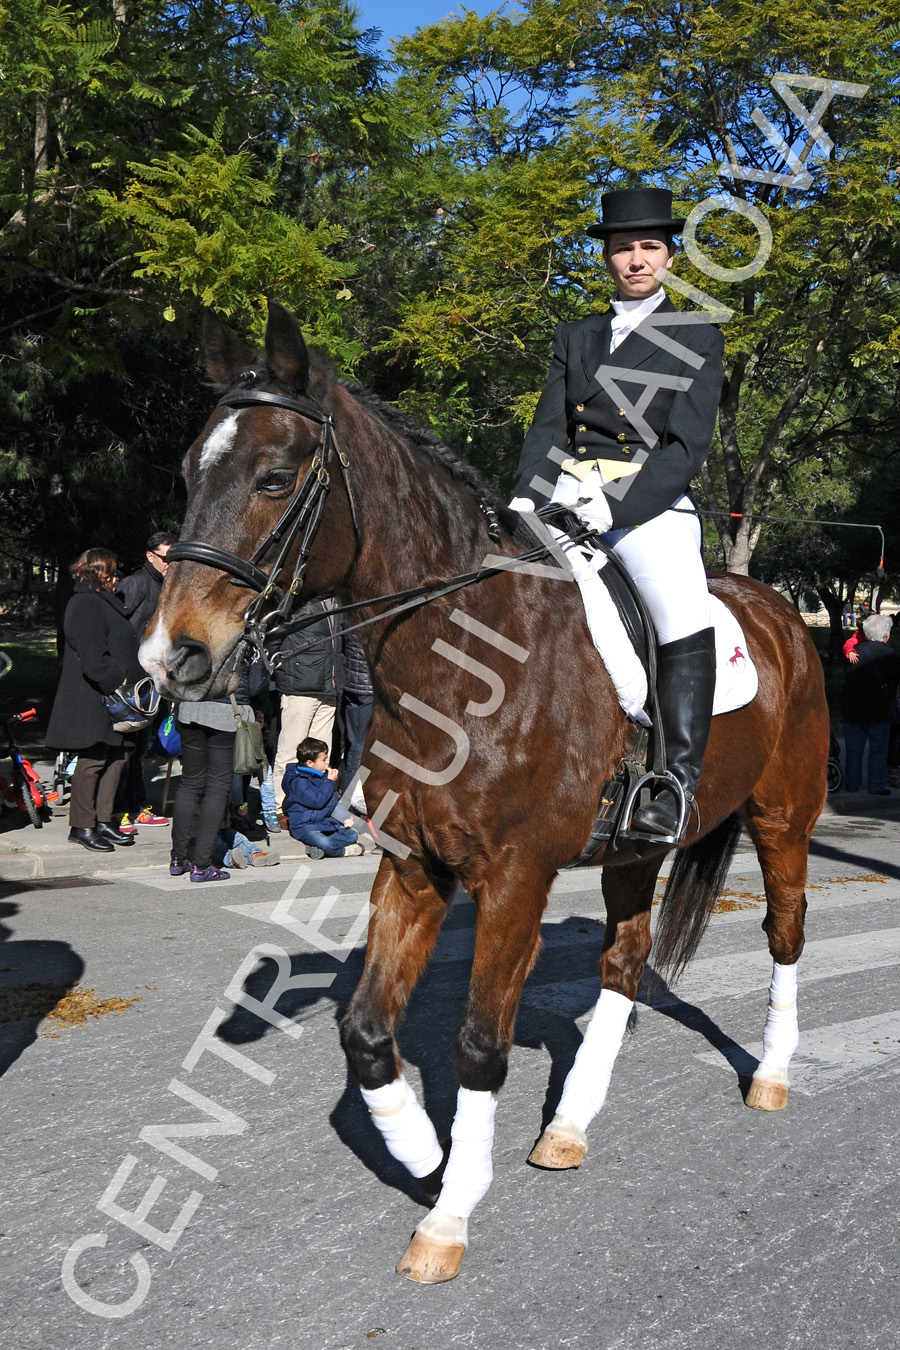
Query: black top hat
(636, 209)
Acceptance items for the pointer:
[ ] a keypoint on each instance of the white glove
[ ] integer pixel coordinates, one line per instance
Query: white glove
(523, 504)
(594, 511)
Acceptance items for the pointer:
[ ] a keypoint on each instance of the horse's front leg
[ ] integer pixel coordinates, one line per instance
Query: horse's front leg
(510, 903)
(409, 907)
(628, 892)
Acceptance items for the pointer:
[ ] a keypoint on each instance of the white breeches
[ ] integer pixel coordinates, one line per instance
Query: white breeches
(663, 556)
(664, 560)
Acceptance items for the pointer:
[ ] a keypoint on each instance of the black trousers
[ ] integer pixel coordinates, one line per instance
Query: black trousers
(207, 764)
(94, 784)
(356, 714)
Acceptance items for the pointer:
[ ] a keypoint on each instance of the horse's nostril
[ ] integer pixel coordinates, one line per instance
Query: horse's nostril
(190, 662)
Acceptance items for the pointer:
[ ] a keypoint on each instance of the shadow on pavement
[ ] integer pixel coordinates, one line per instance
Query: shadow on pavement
(426, 1035)
(34, 976)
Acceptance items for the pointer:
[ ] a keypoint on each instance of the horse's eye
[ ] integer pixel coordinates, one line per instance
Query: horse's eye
(276, 482)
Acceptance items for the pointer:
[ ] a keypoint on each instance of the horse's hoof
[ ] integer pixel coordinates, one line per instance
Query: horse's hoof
(436, 1251)
(561, 1146)
(770, 1093)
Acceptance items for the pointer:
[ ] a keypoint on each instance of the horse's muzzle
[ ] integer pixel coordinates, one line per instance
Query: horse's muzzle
(183, 670)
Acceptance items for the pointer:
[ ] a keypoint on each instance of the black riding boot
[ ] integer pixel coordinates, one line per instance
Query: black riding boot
(686, 686)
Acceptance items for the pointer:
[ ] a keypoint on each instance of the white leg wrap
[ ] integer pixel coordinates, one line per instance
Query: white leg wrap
(781, 1035)
(447, 1228)
(408, 1132)
(469, 1167)
(588, 1080)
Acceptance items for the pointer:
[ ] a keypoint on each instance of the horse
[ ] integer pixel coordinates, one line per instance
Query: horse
(495, 729)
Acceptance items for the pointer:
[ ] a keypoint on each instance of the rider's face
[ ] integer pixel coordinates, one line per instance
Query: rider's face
(634, 259)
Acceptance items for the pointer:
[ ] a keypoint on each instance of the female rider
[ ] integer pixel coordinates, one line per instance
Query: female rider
(624, 423)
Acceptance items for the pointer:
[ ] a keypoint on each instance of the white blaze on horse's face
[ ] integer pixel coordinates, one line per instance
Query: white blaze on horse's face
(219, 441)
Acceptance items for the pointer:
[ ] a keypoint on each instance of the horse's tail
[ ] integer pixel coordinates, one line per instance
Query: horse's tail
(697, 876)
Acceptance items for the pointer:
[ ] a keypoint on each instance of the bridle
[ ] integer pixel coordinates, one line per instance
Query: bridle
(303, 512)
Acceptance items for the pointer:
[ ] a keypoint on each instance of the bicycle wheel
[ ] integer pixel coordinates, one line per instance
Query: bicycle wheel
(835, 776)
(31, 797)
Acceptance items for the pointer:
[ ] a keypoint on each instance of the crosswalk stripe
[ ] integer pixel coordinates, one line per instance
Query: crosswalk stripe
(736, 976)
(830, 1056)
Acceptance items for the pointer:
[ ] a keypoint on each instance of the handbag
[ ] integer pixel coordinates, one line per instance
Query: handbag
(169, 736)
(249, 752)
(132, 706)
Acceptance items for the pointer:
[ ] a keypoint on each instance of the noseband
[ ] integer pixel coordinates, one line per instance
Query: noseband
(303, 512)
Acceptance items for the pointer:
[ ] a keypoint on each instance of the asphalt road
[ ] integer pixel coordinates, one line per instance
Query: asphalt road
(694, 1221)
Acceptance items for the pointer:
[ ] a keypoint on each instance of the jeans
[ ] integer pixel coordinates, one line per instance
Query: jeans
(855, 736)
(230, 841)
(332, 845)
(207, 765)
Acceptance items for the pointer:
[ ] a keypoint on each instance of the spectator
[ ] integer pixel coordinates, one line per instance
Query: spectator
(207, 759)
(140, 593)
(356, 708)
(310, 800)
(309, 685)
(869, 705)
(100, 653)
(140, 590)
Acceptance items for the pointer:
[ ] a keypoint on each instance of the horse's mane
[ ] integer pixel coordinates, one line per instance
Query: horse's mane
(402, 426)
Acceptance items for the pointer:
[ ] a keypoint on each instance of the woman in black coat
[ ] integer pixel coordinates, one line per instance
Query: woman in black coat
(100, 652)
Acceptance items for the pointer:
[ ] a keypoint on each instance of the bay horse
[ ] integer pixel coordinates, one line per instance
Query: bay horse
(495, 728)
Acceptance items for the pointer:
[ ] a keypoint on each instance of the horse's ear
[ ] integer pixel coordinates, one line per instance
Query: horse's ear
(224, 353)
(286, 354)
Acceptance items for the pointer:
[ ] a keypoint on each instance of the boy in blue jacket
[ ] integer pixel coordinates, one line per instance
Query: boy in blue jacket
(310, 800)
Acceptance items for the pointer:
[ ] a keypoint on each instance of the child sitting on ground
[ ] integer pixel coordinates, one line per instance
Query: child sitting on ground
(310, 800)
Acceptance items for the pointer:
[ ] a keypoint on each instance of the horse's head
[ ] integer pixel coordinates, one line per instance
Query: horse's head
(250, 469)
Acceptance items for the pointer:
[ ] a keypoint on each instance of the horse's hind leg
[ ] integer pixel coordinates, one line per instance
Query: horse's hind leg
(510, 903)
(781, 834)
(628, 892)
(409, 907)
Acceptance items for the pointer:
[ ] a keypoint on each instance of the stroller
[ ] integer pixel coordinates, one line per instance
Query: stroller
(835, 772)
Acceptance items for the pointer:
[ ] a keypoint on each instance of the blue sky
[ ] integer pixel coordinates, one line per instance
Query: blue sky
(399, 19)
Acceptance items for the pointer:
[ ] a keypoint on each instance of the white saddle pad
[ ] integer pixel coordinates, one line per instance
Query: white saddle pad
(736, 677)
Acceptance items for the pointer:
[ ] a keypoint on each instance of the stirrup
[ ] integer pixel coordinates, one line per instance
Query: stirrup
(685, 803)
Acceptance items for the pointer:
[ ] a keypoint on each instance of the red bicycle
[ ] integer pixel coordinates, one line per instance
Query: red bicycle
(25, 792)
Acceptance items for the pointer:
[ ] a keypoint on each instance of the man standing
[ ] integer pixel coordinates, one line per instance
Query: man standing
(308, 680)
(140, 592)
(141, 589)
(870, 696)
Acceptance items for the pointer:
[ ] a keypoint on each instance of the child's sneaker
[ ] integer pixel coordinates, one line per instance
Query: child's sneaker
(264, 859)
(210, 873)
(147, 817)
(315, 853)
(125, 824)
(353, 851)
(238, 861)
(177, 866)
(270, 820)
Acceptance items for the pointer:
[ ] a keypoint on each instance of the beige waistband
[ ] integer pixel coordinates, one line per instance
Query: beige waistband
(610, 469)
